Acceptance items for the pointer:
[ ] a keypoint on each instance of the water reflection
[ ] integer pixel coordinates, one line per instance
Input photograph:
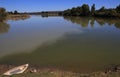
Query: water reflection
(66, 44)
(25, 36)
(84, 21)
(102, 21)
(79, 20)
(4, 27)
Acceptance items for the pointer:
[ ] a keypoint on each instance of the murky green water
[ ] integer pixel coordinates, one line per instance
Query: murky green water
(69, 43)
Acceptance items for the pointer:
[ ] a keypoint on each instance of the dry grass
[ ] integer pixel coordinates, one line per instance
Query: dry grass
(18, 17)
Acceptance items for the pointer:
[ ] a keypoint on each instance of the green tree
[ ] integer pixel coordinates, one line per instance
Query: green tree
(85, 10)
(3, 14)
(93, 9)
(73, 11)
(102, 9)
(67, 12)
(78, 11)
(10, 12)
(111, 13)
(118, 9)
(15, 12)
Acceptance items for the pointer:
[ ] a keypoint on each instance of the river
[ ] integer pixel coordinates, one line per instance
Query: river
(80, 44)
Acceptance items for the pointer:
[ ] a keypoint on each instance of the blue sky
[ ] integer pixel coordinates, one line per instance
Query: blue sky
(47, 5)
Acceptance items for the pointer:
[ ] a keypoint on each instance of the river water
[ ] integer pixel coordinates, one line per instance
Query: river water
(79, 44)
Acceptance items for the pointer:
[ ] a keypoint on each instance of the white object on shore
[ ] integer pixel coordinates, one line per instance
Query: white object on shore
(17, 70)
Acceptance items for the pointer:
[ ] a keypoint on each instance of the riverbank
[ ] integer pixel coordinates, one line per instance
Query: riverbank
(34, 71)
(18, 16)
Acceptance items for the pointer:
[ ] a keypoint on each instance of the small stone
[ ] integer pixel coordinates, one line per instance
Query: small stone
(33, 70)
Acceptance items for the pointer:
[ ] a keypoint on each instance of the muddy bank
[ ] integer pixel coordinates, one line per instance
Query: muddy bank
(108, 72)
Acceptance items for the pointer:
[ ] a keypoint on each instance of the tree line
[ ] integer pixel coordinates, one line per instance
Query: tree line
(14, 12)
(85, 10)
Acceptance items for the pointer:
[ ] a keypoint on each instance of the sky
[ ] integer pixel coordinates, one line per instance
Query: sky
(53, 5)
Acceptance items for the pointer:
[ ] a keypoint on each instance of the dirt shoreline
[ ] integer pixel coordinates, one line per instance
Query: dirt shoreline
(36, 70)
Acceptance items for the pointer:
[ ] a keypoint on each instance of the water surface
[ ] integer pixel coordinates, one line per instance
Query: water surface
(69, 43)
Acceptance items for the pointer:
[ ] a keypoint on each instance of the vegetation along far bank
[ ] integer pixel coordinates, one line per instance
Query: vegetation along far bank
(85, 10)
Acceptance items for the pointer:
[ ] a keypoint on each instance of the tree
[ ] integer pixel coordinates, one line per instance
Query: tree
(78, 11)
(110, 13)
(67, 12)
(2, 10)
(102, 9)
(93, 9)
(85, 10)
(10, 12)
(118, 9)
(15, 12)
(3, 14)
(73, 11)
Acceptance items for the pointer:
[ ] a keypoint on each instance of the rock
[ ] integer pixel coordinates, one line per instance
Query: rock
(33, 70)
(117, 68)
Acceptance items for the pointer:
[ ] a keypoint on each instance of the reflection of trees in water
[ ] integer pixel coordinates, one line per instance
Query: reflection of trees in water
(84, 21)
(101, 22)
(78, 20)
(117, 25)
(110, 22)
(4, 27)
(92, 22)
